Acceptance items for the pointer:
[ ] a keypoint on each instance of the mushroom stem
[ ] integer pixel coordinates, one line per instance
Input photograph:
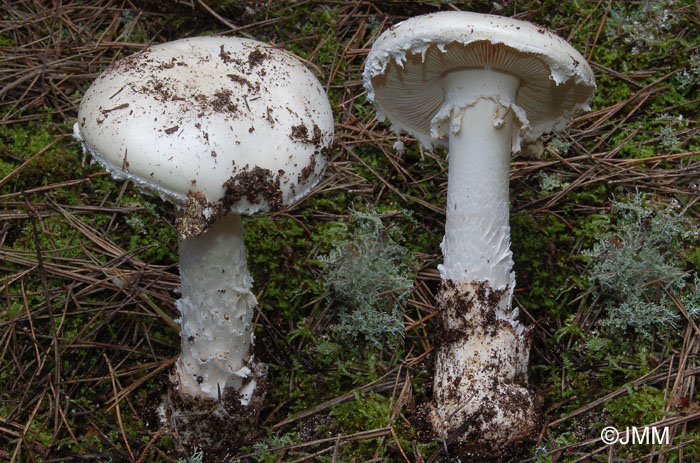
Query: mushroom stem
(481, 127)
(216, 309)
(481, 366)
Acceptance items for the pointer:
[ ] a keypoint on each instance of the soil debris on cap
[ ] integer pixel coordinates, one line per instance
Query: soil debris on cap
(158, 88)
(225, 56)
(316, 138)
(256, 57)
(197, 215)
(170, 64)
(323, 152)
(307, 171)
(255, 185)
(243, 81)
(221, 102)
(301, 133)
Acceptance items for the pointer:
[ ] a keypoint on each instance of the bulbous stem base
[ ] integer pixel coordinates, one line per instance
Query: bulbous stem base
(480, 390)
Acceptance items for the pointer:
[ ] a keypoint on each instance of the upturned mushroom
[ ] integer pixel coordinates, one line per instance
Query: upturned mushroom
(220, 127)
(478, 84)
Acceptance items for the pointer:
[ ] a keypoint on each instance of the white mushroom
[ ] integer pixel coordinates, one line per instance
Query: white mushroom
(220, 127)
(478, 84)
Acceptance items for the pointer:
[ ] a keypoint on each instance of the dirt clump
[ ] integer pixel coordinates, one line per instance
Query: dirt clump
(254, 185)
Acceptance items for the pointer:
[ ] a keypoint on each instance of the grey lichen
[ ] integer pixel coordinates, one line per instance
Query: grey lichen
(369, 274)
(636, 269)
(643, 24)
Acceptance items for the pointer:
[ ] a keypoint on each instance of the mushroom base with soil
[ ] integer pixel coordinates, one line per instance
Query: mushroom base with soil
(216, 425)
(481, 398)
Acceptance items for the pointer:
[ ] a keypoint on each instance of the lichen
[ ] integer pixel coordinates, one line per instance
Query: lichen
(369, 274)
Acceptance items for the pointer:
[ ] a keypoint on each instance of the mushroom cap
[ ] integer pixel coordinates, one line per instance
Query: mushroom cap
(235, 123)
(404, 69)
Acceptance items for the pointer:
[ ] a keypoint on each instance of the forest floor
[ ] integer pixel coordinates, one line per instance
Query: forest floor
(604, 217)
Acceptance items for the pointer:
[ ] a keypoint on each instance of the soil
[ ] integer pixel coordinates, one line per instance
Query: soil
(254, 185)
(461, 315)
(226, 56)
(221, 102)
(151, 81)
(505, 419)
(216, 427)
(307, 171)
(301, 133)
(193, 222)
(256, 57)
(243, 81)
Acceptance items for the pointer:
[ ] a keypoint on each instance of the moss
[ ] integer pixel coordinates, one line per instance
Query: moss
(364, 413)
(277, 250)
(6, 167)
(638, 407)
(6, 40)
(54, 239)
(540, 267)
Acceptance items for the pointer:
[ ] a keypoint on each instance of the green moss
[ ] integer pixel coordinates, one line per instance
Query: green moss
(55, 239)
(19, 142)
(11, 313)
(540, 267)
(638, 407)
(364, 412)
(276, 251)
(6, 40)
(6, 167)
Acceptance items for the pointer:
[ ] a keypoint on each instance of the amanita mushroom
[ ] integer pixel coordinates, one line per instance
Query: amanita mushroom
(478, 84)
(220, 127)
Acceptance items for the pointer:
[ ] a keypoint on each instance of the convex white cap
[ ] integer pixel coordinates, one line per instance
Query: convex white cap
(231, 124)
(404, 71)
